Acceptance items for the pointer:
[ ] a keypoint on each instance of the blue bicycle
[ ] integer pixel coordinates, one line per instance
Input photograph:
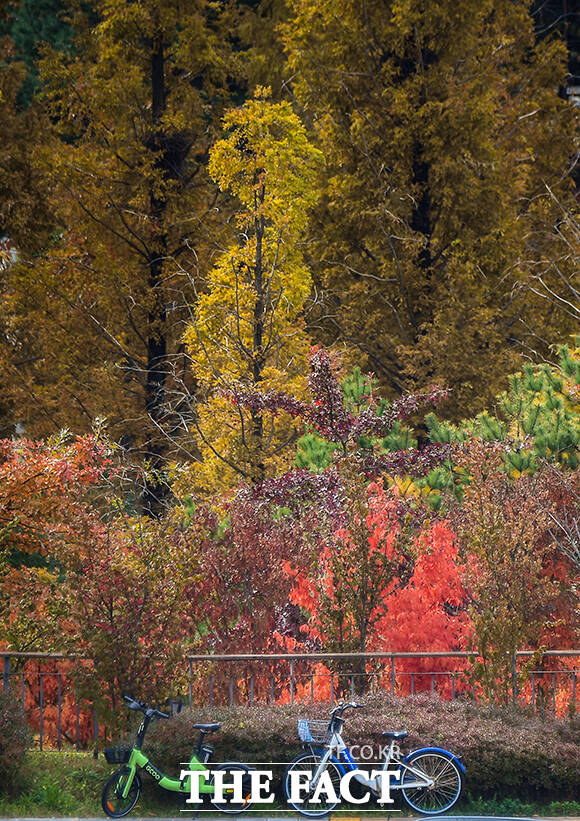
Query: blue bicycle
(430, 779)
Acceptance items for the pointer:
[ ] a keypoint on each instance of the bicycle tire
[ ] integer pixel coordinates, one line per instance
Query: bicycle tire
(446, 790)
(228, 807)
(310, 761)
(113, 804)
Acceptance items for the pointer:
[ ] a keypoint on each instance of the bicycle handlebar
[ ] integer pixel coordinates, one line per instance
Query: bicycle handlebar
(340, 708)
(140, 705)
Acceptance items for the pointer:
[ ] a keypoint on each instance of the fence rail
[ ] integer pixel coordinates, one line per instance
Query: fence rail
(60, 718)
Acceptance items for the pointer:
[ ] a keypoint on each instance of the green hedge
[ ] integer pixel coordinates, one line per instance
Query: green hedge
(506, 753)
(15, 738)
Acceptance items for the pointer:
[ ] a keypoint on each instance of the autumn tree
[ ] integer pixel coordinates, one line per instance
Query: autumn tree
(501, 524)
(98, 316)
(46, 513)
(247, 327)
(78, 575)
(244, 581)
(357, 535)
(24, 218)
(564, 516)
(355, 567)
(443, 136)
(24, 215)
(127, 595)
(385, 580)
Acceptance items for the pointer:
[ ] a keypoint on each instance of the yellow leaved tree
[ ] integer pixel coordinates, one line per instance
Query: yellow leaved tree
(444, 235)
(247, 327)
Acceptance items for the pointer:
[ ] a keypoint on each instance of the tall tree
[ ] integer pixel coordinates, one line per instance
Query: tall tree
(247, 326)
(25, 217)
(442, 131)
(100, 312)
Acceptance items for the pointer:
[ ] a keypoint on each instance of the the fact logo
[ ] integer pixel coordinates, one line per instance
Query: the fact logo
(235, 786)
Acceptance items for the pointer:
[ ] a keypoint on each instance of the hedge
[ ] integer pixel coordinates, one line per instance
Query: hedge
(507, 753)
(15, 738)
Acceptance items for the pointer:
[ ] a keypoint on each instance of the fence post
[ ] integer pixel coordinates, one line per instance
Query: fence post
(59, 708)
(392, 675)
(41, 716)
(291, 681)
(6, 673)
(189, 684)
(514, 678)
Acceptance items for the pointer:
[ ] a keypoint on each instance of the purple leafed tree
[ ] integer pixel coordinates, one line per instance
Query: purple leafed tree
(328, 415)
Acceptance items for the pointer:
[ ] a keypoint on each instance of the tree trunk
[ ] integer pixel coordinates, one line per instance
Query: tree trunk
(156, 375)
(258, 340)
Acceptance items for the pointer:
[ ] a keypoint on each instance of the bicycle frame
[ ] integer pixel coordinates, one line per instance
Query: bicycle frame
(346, 763)
(138, 760)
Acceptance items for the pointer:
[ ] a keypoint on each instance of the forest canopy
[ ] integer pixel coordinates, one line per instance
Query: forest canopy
(289, 331)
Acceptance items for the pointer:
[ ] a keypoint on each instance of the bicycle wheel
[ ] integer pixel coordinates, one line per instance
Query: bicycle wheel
(227, 805)
(112, 801)
(309, 762)
(446, 788)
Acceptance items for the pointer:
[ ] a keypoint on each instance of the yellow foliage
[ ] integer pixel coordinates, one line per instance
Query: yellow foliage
(441, 130)
(248, 327)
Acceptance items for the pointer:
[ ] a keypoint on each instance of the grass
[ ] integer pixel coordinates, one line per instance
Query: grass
(60, 784)
(57, 784)
(514, 806)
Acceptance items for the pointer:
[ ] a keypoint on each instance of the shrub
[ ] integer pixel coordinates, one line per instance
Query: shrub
(505, 752)
(15, 738)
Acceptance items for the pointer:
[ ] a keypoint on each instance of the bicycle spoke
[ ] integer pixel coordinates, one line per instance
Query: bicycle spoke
(445, 783)
(309, 764)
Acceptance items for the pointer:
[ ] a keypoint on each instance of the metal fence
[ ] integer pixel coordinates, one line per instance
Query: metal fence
(552, 685)
(60, 718)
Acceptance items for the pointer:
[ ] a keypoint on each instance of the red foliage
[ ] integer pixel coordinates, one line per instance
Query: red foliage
(429, 613)
(243, 587)
(375, 586)
(43, 491)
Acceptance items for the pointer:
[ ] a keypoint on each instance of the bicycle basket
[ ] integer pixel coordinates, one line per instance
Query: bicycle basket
(313, 730)
(117, 755)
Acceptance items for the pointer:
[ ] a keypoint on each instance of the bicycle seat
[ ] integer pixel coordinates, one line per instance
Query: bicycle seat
(396, 735)
(208, 728)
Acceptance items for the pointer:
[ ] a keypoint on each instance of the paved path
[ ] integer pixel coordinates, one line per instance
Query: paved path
(335, 817)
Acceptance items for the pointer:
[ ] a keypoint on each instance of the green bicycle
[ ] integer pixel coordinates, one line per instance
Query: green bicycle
(122, 790)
